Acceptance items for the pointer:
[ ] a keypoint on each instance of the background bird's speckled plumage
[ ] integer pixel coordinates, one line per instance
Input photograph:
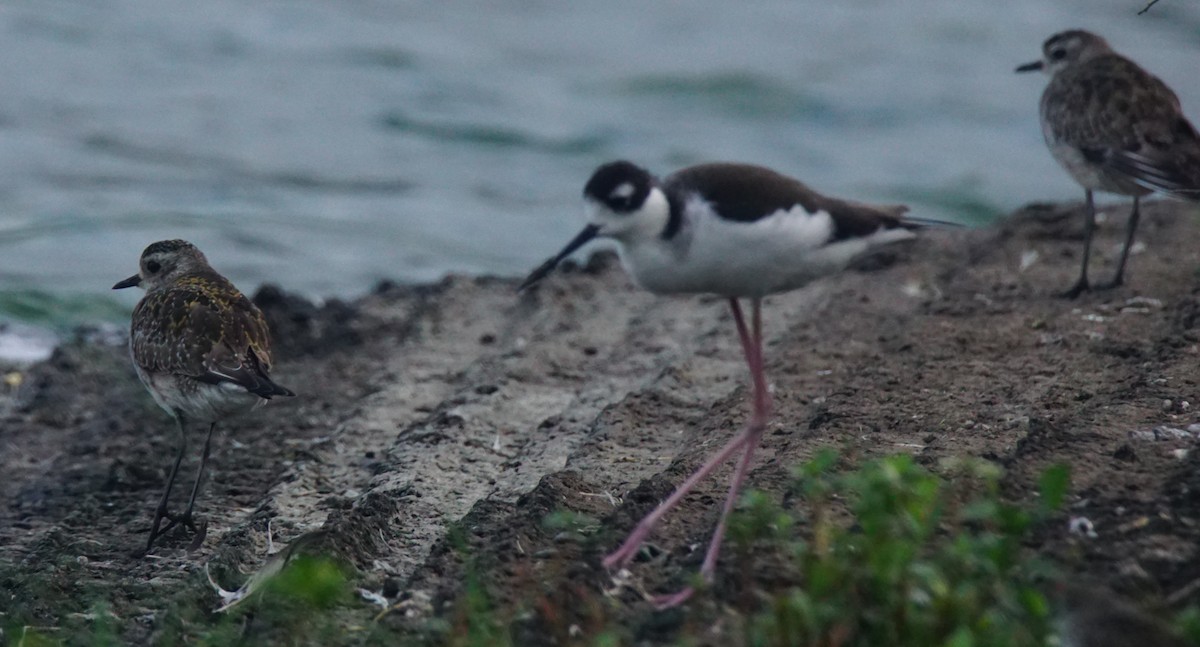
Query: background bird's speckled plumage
(1126, 122)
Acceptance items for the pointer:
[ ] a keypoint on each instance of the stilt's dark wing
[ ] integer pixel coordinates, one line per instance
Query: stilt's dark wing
(746, 193)
(204, 328)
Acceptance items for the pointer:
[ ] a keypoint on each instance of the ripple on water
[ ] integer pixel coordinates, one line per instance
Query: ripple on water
(739, 94)
(492, 135)
(59, 311)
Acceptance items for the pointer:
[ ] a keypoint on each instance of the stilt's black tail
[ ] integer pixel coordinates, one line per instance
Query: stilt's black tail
(910, 222)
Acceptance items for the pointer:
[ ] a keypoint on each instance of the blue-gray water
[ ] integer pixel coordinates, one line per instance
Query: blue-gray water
(326, 145)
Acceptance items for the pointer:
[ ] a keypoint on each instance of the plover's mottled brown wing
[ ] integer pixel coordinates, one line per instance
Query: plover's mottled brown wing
(1128, 122)
(205, 329)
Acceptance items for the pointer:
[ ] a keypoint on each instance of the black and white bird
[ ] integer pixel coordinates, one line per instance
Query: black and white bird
(1116, 128)
(734, 230)
(202, 349)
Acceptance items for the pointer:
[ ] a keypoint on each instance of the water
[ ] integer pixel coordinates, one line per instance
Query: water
(327, 145)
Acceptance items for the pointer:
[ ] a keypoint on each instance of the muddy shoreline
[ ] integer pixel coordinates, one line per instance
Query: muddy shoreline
(462, 405)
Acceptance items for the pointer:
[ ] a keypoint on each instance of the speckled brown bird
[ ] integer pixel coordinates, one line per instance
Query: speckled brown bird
(200, 346)
(1115, 128)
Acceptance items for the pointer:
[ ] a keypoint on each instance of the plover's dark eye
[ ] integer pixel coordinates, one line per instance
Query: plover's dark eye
(153, 267)
(1058, 54)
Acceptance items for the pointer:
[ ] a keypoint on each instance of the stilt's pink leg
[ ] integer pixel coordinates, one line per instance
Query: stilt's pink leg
(622, 555)
(747, 440)
(714, 546)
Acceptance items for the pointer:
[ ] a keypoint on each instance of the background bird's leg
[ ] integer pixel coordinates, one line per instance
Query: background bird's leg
(186, 517)
(750, 436)
(1089, 226)
(161, 511)
(1130, 228)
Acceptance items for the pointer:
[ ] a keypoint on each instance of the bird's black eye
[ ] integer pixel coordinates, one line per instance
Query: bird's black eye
(1058, 54)
(153, 267)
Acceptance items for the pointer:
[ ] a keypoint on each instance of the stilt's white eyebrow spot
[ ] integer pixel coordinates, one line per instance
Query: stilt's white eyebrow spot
(623, 190)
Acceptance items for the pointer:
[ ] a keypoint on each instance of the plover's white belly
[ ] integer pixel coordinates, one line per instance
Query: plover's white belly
(1089, 174)
(781, 252)
(198, 401)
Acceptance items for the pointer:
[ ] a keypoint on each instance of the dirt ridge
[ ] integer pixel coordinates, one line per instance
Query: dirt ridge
(464, 405)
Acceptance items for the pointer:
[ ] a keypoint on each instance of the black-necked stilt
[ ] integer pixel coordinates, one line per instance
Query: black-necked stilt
(735, 230)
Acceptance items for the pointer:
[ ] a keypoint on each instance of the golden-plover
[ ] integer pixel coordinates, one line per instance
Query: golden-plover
(737, 231)
(1116, 128)
(201, 348)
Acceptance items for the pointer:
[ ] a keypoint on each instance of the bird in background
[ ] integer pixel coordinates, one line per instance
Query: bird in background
(200, 347)
(1116, 128)
(735, 230)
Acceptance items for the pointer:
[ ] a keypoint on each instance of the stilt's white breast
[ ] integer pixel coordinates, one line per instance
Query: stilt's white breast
(779, 252)
(776, 253)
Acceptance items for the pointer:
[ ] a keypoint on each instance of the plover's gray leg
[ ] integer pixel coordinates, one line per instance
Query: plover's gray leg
(1089, 226)
(1130, 228)
(186, 517)
(161, 511)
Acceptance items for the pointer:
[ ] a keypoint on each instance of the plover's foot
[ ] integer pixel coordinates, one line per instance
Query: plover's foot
(1079, 288)
(186, 520)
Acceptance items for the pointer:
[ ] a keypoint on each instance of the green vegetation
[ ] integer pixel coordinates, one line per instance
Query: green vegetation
(886, 554)
(920, 560)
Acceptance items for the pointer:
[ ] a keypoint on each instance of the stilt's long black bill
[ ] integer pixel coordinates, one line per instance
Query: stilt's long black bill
(544, 269)
(128, 283)
(1030, 67)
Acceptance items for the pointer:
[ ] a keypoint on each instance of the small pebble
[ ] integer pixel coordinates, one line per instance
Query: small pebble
(1082, 526)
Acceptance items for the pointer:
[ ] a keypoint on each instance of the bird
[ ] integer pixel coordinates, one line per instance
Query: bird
(200, 347)
(739, 231)
(1115, 128)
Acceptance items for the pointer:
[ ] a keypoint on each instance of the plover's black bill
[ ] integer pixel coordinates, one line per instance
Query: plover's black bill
(540, 273)
(1030, 67)
(130, 282)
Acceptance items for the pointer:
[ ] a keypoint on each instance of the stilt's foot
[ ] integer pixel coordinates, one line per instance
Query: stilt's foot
(1079, 288)
(1116, 282)
(664, 602)
(621, 557)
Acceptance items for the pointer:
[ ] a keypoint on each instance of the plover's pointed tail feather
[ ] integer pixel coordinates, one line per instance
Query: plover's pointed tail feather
(1166, 160)
(246, 371)
(1178, 177)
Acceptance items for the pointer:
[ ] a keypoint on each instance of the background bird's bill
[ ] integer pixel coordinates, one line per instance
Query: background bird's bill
(589, 232)
(130, 282)
(1030, 67)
